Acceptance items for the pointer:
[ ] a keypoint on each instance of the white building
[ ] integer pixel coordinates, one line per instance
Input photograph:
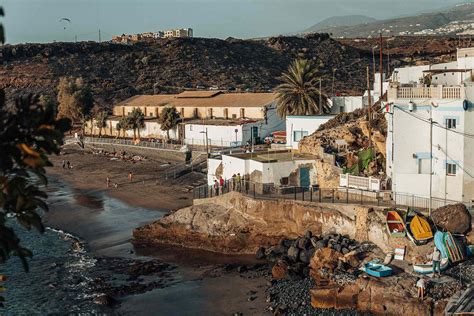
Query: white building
(267, 169)
(414, 147)
(298, 127)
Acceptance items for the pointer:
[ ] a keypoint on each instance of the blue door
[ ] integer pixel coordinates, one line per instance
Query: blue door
(304, 177)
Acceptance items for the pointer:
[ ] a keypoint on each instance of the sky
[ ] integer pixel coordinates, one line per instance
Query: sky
(39, 20)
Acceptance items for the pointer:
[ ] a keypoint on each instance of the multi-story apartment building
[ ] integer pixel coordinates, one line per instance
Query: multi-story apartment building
(430, 142)
(125, 38)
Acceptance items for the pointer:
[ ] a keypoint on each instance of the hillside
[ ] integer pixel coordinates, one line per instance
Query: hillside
(117, 71)
(448, 21)
(338, 21)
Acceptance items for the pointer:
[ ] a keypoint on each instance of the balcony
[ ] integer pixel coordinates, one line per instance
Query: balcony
(428, 92)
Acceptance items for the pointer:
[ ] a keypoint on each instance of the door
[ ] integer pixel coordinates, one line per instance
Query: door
(304, 177)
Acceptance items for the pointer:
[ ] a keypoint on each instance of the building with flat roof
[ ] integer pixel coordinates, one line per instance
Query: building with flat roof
(229, 119)
(430, 141)
(267, 169)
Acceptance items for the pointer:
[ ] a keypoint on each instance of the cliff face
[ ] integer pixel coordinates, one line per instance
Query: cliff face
(117, 71)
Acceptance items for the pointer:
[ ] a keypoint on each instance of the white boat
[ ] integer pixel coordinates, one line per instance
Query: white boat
(427, 268)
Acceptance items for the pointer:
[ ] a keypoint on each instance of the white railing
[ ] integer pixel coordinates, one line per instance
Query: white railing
(429, 92)
(362, 183)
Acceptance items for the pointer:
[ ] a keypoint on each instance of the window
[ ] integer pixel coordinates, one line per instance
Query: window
(298, 135)
(182, 112)
(254, 131)
(451, 123)
(196, 112)
(242, 113)
(424, 166)
(150, 114)
(226, 113)
(450, 169)
(234, 116)
(190, 128)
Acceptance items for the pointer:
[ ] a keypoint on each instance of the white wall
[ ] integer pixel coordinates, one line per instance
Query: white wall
(347, 103)
(408, 146)
(218, 135)
(225, 135)
(308, 124)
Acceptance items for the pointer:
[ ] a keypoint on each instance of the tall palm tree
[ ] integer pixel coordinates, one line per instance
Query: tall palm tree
(298, 94)
(136, 120)
(169, 119)
(122, 125)
(101, 121)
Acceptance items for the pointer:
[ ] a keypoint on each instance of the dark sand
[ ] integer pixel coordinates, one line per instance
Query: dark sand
(105, 218)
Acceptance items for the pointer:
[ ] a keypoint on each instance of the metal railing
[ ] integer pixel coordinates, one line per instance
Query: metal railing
(130, 142)
(314, 194)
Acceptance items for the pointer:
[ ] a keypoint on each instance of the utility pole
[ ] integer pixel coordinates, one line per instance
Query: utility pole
(320, 97)
(370, 108)
(333, 74)
(381, 66)
(100, 40)
(431, 158)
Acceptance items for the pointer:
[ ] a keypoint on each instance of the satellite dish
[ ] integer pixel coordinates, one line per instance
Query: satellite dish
(465, 105)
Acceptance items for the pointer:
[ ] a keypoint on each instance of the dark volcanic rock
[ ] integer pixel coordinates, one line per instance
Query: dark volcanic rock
(454, 218)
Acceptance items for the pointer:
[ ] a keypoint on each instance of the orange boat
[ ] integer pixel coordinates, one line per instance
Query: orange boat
(395, 224)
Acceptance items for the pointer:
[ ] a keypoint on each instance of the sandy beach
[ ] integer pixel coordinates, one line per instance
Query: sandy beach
(203, 283)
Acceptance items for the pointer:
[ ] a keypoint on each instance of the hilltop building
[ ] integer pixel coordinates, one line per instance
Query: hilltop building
(150, 36)
(430, 141)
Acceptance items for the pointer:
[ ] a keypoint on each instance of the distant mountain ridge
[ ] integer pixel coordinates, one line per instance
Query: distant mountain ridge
(447, 21)
(337, 21)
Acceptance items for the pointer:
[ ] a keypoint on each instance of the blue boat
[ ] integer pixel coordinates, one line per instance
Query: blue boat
(377, 270)
(439, 243)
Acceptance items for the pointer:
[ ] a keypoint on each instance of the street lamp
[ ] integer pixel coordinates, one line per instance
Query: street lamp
(207, 141)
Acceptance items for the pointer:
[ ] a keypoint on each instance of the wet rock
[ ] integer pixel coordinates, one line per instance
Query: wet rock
(260, 253)
(325, 258)
(293, 253)
(241, 269)
(454, 218)
(105, 300)
(280, 270)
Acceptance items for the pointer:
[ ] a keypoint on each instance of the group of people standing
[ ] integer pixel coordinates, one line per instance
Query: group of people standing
(220, 185)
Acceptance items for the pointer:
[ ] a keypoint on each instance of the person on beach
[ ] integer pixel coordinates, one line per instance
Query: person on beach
(130, 176)
(108, 182)
(68, 164)
(63, 164)
(233, 182)
(421, 285)
(221, 184)
(238, 179)
(216, 187)
(436, 258)
(115, 185)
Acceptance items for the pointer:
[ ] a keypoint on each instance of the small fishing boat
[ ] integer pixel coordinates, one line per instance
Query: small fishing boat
(418, 228)
(454, 248)
(427, 268)
(395, 224)
(376, 269)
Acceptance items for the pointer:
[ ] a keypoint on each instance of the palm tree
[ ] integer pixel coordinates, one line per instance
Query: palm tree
(101, 121)
(122, 125)
(136, 120)
(169, 119)
(298, 94)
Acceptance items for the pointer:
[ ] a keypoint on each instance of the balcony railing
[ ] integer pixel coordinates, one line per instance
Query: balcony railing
(429, 92)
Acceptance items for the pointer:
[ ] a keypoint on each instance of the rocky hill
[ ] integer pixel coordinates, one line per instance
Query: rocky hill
(338, 21)
(117, 71)
(448, 21)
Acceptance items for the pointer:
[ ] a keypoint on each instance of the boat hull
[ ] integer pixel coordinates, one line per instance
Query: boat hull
(427, 268)
(395, 224)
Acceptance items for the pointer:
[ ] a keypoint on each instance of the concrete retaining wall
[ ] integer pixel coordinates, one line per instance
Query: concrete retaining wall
(163, 154)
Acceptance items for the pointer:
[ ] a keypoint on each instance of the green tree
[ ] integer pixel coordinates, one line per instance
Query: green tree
(75, 100)
(298, 94)
(168, 119)
(29, 133)
(122, 125)
(101, 121)
(136, 120)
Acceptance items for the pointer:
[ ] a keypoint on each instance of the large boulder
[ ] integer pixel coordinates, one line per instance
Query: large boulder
(325, 258)
(454, 218)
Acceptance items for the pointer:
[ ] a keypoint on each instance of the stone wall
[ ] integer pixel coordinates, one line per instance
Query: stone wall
(162, 154)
